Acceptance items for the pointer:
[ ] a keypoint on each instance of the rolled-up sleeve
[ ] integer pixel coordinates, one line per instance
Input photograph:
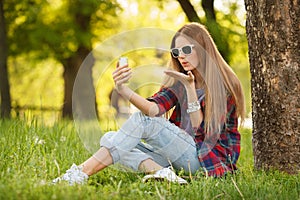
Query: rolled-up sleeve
(165, 99)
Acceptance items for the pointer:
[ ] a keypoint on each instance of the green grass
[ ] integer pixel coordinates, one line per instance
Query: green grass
(33, 154)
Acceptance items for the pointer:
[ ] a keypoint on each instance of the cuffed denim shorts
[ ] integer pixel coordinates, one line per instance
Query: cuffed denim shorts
(142, 137)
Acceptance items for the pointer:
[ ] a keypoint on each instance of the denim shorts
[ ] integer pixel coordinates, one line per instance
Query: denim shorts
(142, 137)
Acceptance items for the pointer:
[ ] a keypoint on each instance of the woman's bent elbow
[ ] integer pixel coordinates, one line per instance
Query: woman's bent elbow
(153, 111)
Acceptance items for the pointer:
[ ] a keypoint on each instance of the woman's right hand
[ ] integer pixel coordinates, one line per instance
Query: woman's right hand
(121, 75)
(186, 79)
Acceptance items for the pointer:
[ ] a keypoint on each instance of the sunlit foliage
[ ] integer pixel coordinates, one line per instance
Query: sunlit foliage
(41, 33)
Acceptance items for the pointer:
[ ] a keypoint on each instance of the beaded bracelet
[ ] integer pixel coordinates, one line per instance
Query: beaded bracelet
(193, 107)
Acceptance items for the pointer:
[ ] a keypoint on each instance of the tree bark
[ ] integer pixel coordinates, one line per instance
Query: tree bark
(273, 37)
(214, 28)
(211, 23)
(189, 10)
(78, 67)
(208, 7)
(85, 92)
(71, 67)
(4, 83)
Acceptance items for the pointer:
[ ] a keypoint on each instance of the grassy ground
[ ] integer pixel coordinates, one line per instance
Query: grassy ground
(33, 154)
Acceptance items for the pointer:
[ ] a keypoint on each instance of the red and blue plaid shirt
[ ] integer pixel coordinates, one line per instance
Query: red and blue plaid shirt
(221, 157)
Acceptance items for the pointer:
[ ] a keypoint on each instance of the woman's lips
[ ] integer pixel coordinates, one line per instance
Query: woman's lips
(184, 63)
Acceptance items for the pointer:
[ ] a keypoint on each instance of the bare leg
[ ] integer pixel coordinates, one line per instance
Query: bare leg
(97, 162)
(102, 158)
(149, 166)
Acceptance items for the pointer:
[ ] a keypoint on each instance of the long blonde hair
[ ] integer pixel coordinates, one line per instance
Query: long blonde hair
(218, 77)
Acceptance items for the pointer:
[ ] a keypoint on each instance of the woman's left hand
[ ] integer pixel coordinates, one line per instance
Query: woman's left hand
(185, 79)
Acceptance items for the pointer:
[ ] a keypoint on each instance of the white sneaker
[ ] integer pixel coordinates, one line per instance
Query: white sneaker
(165, 174)
(73, 175)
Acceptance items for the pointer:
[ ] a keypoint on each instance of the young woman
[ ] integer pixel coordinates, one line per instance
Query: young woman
(205, 99)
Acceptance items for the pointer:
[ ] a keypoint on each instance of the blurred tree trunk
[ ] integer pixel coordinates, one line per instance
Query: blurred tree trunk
(4, 83)
(211, 23)
(273, 38)
(72, 66)
(82, 98)
(189, 10)
(214, 28)
(208, 7)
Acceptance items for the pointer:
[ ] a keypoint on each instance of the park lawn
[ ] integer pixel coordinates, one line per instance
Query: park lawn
(32, 154)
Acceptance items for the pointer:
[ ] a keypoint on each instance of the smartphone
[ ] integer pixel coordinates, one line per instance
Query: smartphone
(123, 61)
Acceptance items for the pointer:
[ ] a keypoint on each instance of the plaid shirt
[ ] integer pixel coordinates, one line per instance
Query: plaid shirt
(222, 156)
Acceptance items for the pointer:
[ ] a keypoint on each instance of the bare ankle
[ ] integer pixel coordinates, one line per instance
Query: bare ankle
(149, 166)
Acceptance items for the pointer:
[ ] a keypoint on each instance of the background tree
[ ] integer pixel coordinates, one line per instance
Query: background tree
(210, 21)
(4, 83)
(273, 39)
(44, 36)
(61, 31)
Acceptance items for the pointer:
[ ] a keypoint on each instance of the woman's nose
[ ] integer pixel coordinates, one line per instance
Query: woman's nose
(181, 54)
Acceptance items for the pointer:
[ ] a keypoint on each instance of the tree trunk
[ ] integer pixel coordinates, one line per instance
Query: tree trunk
(70, 71)
(189, 10)
(4, 83)
(78, 68)
(273, 38)
(211, 23)
(208, 6)
(214, 28)
(78, 72)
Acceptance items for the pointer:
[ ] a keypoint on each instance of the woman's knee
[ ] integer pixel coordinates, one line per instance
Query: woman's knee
(137, 117)
(106, 139)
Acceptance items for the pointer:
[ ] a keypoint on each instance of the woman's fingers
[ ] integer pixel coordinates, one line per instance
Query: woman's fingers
(174, 74)
(184, 78)
(119, 71)
(121, 75)
(191, 75)
(177, 75)
(123, 78)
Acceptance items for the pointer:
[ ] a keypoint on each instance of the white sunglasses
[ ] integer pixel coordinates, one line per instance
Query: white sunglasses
(186, 50)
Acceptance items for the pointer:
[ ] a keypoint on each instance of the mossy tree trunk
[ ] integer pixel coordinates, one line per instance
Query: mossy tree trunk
(273, 38)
